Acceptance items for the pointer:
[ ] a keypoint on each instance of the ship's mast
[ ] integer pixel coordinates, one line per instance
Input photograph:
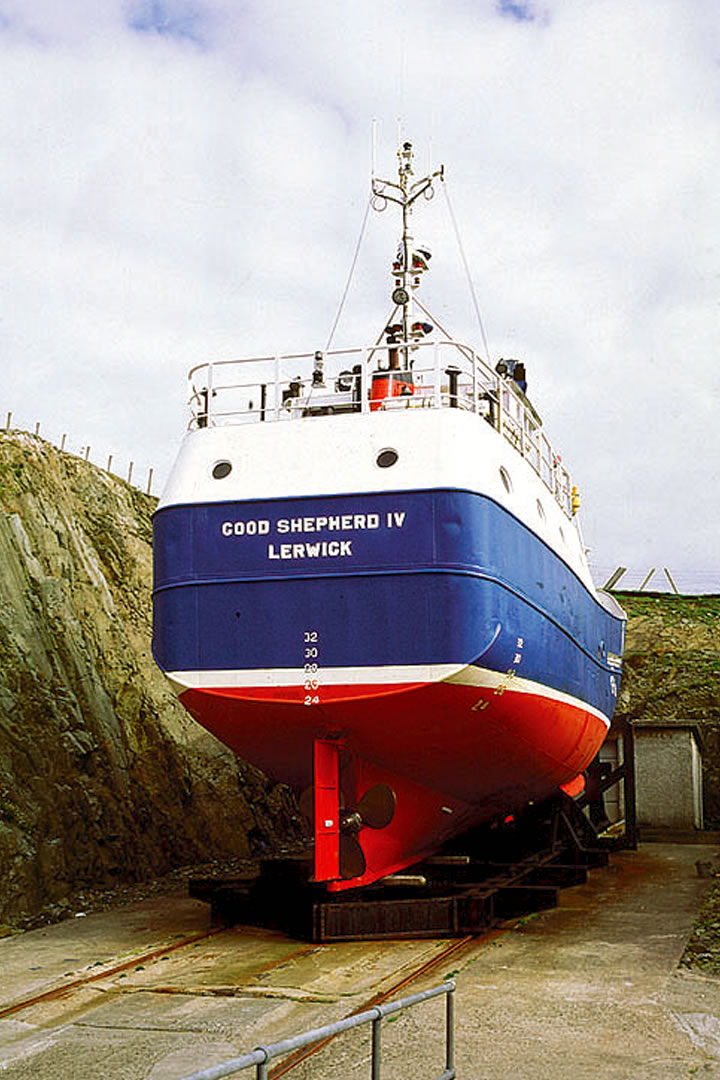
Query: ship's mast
(404, 193)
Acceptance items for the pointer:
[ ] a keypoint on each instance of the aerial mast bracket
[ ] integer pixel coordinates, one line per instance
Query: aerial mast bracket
(404, 193)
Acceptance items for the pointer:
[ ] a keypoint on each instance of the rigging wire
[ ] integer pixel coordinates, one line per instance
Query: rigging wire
(350, 275)
(467, 271)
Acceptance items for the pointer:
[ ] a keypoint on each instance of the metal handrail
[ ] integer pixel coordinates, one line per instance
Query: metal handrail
(227, 392)
(262, 1055)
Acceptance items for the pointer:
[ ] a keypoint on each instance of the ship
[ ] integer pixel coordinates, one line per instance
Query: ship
(370, 581)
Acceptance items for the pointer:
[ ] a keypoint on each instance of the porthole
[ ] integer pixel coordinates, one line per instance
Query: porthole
(540, 510)
(505, 477)
(386, 458)
(221, 469)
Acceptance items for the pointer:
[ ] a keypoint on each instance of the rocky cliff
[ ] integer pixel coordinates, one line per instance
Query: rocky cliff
(103, 776)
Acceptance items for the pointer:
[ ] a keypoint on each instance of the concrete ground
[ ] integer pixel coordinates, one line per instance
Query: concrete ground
(589, 991)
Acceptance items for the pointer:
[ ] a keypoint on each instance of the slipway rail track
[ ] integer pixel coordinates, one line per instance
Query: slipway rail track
(112, 968)
(107, 971)
(260, 982)
(72, 1009)
(454, 949)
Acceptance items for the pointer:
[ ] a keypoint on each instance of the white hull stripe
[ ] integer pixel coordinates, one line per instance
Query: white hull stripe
(493, 680)
(457, 674)
(337, 676)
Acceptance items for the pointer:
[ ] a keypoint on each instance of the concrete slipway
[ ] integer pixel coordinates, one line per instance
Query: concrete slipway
(588, 991)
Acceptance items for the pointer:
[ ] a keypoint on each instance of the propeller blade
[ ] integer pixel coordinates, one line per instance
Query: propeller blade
(352, 857)
(377, 806)
(306, 804)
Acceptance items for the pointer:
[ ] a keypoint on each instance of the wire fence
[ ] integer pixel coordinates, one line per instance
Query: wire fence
(67, 445)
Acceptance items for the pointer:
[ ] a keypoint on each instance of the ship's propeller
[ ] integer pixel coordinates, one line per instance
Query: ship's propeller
(375, 810)
(352, 856)
(376, 807)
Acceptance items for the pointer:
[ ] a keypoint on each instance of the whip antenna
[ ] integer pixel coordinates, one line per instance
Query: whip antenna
(343, 298)
(473, 294)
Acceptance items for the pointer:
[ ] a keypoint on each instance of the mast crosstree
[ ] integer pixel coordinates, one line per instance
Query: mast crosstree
(409, 264)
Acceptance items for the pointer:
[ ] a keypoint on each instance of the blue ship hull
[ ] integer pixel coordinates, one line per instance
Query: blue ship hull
(440, 577)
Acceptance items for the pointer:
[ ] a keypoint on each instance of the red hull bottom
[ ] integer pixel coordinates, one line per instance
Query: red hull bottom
(454, 754)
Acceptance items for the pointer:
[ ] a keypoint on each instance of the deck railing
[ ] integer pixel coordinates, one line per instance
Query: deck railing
(261, 1056)
(436, 374)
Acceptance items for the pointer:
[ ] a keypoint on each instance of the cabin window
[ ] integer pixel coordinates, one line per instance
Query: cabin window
(540, 510)
(505, 477)
(386, 458)
(221, 469)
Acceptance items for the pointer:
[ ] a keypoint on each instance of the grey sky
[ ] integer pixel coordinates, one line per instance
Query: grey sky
(185, 179)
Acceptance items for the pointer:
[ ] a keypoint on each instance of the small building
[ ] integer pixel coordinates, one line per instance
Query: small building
(668, 775)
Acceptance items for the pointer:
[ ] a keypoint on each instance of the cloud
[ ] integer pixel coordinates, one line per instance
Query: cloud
(173, 19)
(183, 180)
(523, 12)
